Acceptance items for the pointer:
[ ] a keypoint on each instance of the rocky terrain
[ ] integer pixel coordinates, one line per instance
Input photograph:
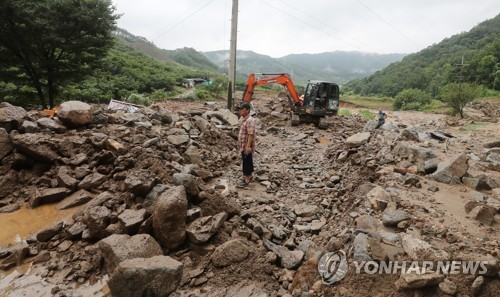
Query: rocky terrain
(153, 209)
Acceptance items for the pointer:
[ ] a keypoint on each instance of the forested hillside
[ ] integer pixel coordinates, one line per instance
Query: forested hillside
(339, 67)
(124, 71)
(438, 65)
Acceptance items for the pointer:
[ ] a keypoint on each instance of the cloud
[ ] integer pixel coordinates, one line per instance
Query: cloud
(279, 27)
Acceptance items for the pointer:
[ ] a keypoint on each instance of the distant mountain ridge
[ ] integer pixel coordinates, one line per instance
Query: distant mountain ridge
(337, 66)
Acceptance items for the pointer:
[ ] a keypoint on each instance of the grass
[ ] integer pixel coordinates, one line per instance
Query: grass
(473, 127)
(369, 102)
(367, 114)
(344, 112)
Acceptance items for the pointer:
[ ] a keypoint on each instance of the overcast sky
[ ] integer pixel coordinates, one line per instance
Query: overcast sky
(281, 27)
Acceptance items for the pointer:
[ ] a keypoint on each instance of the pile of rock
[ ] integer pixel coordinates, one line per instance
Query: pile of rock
(142, 179)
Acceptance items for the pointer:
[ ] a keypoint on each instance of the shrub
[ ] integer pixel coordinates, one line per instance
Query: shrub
(411, 99)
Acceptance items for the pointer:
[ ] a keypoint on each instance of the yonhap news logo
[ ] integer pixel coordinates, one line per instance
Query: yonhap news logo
(334, 266)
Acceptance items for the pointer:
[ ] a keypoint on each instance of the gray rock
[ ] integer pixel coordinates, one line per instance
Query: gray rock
(418, 249)
(202, 124)
(202, 229)
(97, 219)
(51, 125)
(155, 276)
(178, 139)
(357, 139)
(189, 182)
(92, 181)
(288, 259)
(65, 179)
(230, 252)
(413, 281)
(6, 146)
(169, 217)
(140, 182)
(305, 210)
(47, 234)
(391, 217)
(51, 195)
(39, 147)
(10, 208)
(367, 223)
(492, 144)
(409, 135)
(226, 116)
(448, 287)
(76, 199)
(75, 113)
(299, 137)
(152, 198)
(483, 213)
(120, 247)
(132, 219)
(413, 151)
(29, 127)
(11, 117)
(430, 166)
(477, 285)
(476, 183)
(379, 198)
(452, 169)
(361, 247)
(494, 161)
(75, 231)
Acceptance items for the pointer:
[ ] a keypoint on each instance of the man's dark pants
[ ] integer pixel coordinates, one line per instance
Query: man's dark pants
(247, 164)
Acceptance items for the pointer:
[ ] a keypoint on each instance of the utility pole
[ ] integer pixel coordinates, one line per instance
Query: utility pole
(460, 87)
(232, 56)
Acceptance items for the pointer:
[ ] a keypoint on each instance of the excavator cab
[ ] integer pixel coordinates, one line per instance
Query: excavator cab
(321, 99)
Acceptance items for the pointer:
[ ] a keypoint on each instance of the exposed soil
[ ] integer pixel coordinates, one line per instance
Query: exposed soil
(295, 166)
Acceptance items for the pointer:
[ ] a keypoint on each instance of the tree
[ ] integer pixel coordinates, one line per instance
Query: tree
(49, 43)
(411, 99)
(458, 95)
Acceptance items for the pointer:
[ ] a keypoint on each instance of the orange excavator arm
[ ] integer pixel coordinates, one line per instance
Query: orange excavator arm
(281, 79)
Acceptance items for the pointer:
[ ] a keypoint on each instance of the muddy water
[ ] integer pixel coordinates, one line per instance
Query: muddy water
(17, 225)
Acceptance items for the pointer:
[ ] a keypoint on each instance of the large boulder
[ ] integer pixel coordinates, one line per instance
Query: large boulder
(155, 276)
(169, 217)
(357, 139)
(493, 160)
(231, 252)
(413, 151)
(5, 144)
(75, 113)
(451, 170)
(50, 195)
(11, 117)
(120, 247)
(225, 115)
(39, 147)
(189, 183)
(414, 281)
(52, 125)
(420, 250)
(202, 229)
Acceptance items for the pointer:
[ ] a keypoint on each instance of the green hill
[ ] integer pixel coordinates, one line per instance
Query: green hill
(436, 66)
(186, 56)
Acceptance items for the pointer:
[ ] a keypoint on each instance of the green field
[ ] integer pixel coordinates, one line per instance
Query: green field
(369, 102)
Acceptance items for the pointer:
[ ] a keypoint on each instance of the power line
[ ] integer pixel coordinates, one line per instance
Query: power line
(310, 25)
(183, 20)
(322, 22)
(387, 23)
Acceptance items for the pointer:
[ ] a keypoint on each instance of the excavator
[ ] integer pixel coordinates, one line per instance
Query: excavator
(320, 99)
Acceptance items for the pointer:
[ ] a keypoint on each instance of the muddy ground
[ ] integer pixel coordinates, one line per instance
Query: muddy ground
(314, 191)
